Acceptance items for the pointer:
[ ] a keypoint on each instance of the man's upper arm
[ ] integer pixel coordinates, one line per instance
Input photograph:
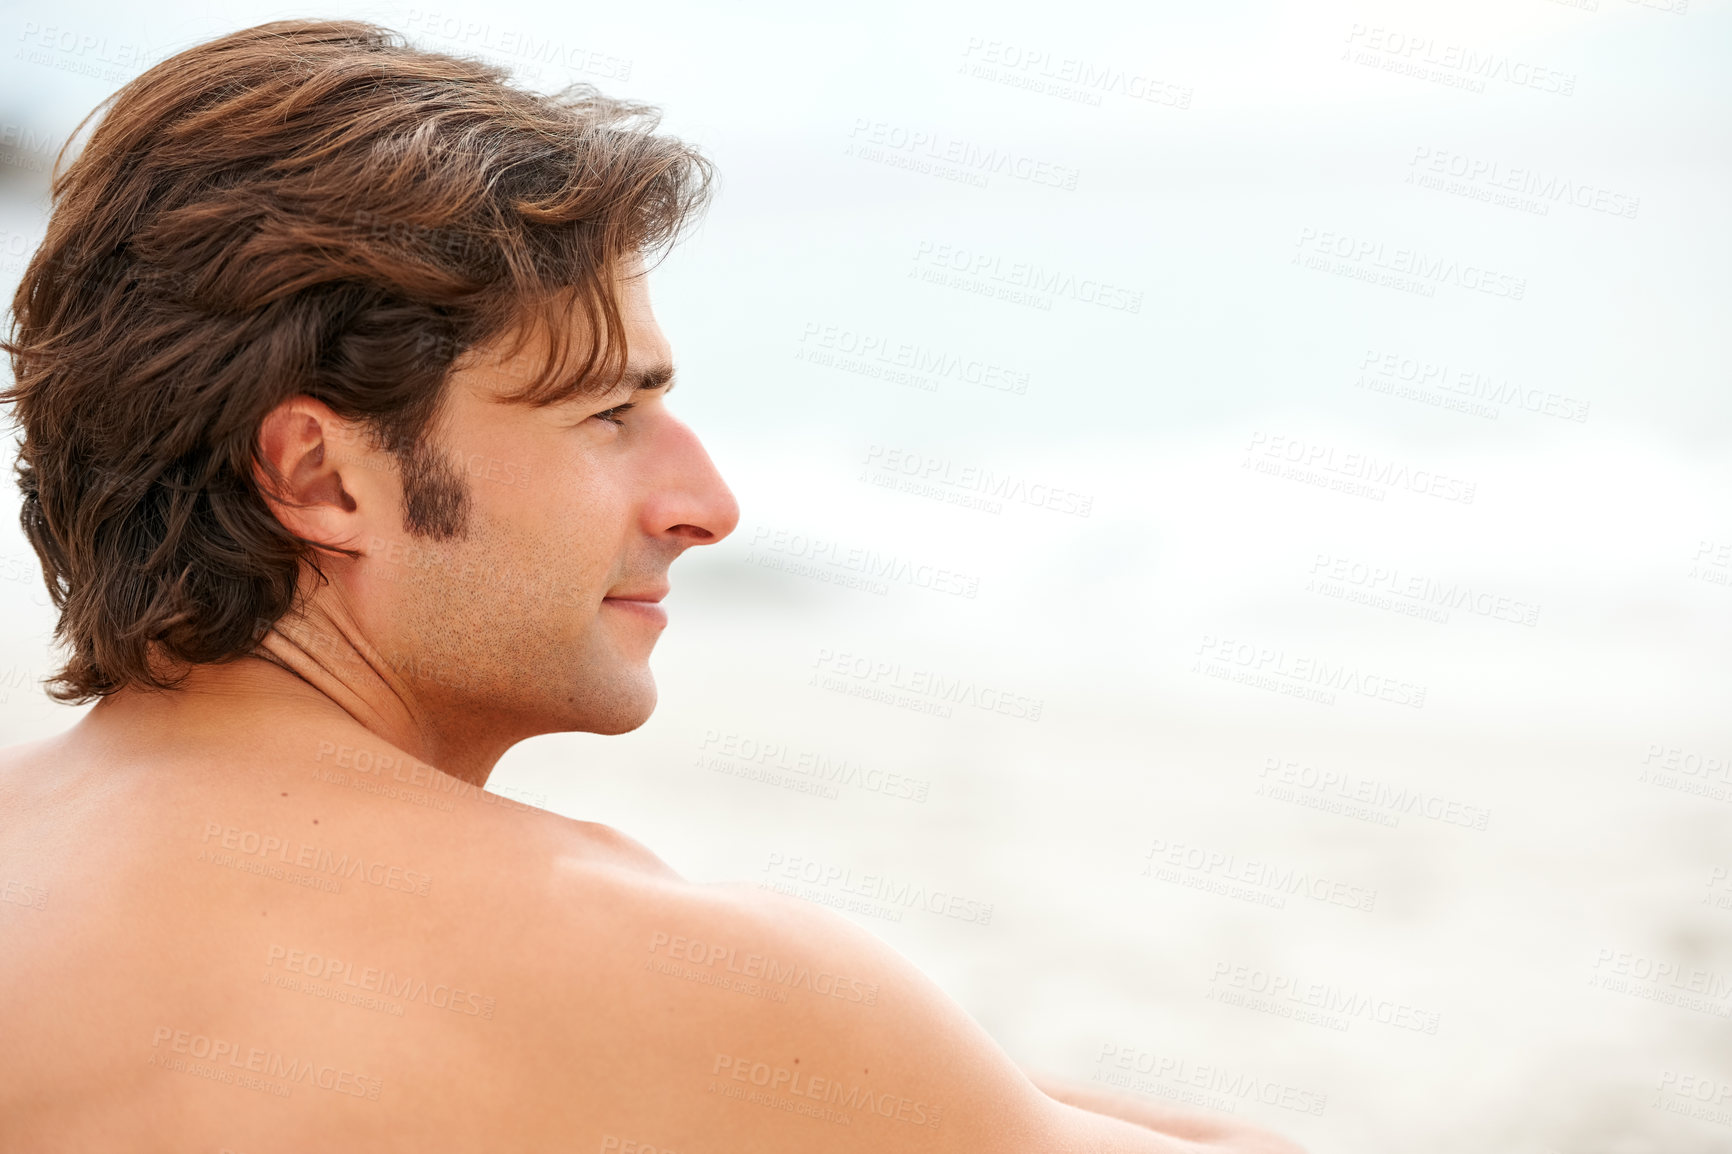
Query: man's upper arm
(754, 1021)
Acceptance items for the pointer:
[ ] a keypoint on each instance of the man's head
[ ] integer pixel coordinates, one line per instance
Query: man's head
(325, 334)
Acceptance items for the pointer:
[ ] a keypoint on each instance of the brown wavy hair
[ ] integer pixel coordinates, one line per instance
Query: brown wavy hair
(310, 208)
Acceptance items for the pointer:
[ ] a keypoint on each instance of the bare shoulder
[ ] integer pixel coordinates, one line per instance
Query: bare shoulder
(721, 1017)
(605, 845)
(24, 770)
(491, 975)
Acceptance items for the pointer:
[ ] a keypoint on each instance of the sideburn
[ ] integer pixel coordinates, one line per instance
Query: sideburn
(435, 494)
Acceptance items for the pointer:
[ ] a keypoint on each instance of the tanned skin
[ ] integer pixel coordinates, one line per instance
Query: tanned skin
(249, 915)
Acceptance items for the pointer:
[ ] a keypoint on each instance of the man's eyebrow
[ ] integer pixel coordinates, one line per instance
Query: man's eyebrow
(657, 376)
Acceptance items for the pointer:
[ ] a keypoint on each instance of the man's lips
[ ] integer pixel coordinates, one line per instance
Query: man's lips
(642, 604)
(653, 593)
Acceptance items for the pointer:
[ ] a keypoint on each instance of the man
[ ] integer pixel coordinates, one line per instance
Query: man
(348, 456)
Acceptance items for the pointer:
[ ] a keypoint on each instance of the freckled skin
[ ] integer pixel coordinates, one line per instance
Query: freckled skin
(173, 863)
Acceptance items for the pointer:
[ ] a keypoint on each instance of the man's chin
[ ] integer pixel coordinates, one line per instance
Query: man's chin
(615, 726)
(623, 712)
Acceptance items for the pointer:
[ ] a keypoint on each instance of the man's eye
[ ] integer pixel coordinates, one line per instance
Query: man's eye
(611, 415)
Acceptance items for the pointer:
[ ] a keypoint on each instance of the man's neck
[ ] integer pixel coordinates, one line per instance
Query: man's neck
(280, 690)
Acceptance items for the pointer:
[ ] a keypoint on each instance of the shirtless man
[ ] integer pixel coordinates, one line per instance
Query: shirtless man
(243, 909)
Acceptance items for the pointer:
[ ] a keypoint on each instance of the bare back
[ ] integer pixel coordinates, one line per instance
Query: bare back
(304, 939)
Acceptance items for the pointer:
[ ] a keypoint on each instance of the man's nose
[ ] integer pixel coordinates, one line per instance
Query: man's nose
(692, 501)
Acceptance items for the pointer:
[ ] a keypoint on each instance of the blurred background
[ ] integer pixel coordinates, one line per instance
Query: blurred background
(1235, 574)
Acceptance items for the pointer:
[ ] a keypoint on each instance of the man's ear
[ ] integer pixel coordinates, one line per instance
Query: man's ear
(316, 454)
